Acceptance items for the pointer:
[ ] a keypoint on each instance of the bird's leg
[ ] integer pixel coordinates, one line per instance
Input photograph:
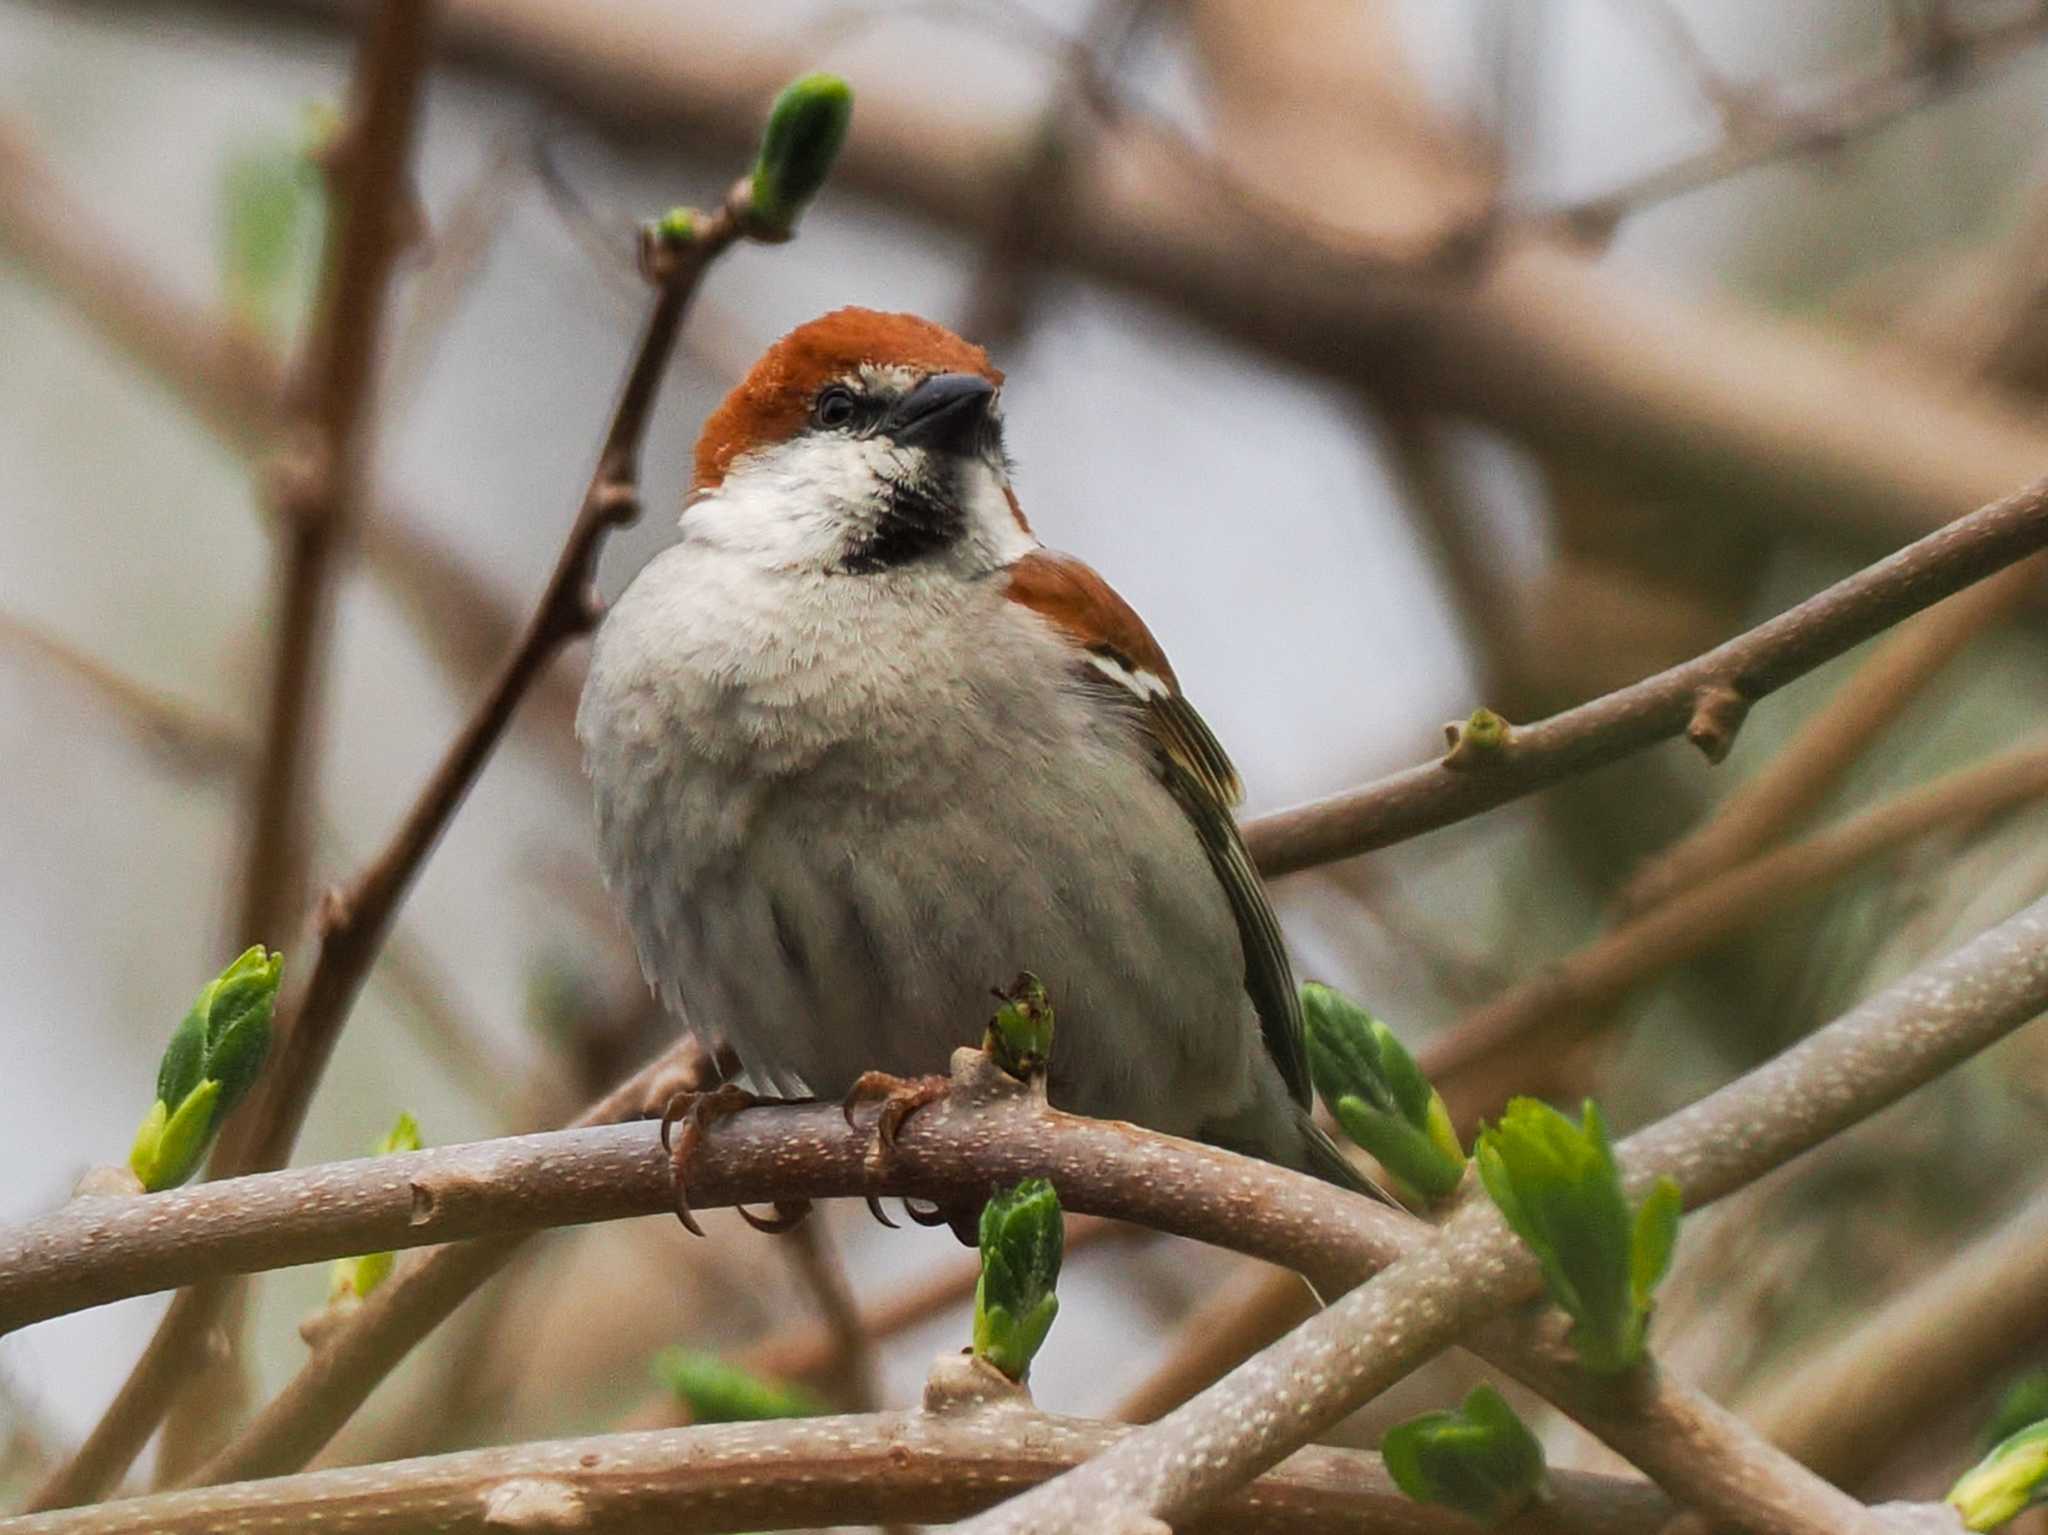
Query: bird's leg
(900, 1097)
(695, 1113)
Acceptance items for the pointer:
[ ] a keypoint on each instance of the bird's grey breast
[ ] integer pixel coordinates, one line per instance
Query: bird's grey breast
(839, 809)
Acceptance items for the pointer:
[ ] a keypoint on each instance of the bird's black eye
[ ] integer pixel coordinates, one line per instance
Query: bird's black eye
(835, 406)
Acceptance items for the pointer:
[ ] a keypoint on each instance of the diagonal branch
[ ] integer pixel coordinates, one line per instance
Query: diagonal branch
(315, 483)
(1703, 699)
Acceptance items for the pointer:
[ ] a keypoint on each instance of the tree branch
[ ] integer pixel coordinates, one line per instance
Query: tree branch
(1874, 1054)
(315, 483)
(922, 1466)
(1483, 1056)
(355, 920)
(1704, 698)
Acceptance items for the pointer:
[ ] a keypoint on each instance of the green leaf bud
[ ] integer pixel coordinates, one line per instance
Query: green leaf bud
(1023, 1239)
(172, 1143)
(1480, 1458)
(355, 1278)
(2012, 1478)
(1379, 1095)
(717, 1392)
(1020, 1034)
(1557, 1186)
(805, 128)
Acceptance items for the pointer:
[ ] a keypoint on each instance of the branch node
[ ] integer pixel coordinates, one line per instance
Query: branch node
(1718, 710)
(535, 1503)
(1480, 740)
(965, 1382)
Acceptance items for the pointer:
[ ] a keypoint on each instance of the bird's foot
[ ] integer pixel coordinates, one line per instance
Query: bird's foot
(683, 1125)
(900, 1097)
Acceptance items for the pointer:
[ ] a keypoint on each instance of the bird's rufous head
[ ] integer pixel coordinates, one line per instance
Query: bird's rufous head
(883, 431)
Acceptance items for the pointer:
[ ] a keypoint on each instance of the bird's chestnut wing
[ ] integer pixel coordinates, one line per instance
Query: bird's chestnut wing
(1116, 652)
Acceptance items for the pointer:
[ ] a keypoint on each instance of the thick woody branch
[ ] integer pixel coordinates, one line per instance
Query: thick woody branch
(98, 1249)
(1442, 1288)
(1703, 698)
(924, 1466)
(1435, 1286)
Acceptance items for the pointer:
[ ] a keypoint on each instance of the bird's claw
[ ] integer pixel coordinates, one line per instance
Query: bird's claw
(695, 1113)
(900, 1098)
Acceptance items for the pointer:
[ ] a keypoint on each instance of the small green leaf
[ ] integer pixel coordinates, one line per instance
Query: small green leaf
(356, 1277)
(1020, 1034)
(2012, 1478)
(184, 1058)
(1023, 1238)
(402, 1136)
(1480, 1459)
(806, 126)
(178, 1145)
(1559, 1190)
(1656, 1234)
(1379, 1095)
(717, 1392)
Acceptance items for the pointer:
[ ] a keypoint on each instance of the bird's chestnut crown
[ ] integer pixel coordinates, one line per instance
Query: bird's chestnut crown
(862, 373)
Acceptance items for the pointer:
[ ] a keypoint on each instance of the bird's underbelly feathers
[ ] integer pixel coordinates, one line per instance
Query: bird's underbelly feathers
(822, 875)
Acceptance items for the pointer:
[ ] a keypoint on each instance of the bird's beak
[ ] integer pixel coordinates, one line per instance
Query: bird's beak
(945, 412)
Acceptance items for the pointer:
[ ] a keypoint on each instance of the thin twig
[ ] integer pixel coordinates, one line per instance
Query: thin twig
(1916, 73)
(848, 1376)
(1829, 743)
(1864, 1061)
(922, 1466)
(1487, 1052)
(315, 484)
(355, 920)
(234, 381)
(1704, 698)
(316, 498)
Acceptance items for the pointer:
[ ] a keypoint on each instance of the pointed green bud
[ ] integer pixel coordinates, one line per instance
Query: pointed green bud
(716, 1392)
(1020, 1034)
(172, 1143)
(1480, 1459)
(354, 1278)
(184, 1058)
(1558, 1188)
(1379, 1095)
(1023, 1238)
(806, 126)
(238, 1008)
(1479, 739)
(2011, 1479)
